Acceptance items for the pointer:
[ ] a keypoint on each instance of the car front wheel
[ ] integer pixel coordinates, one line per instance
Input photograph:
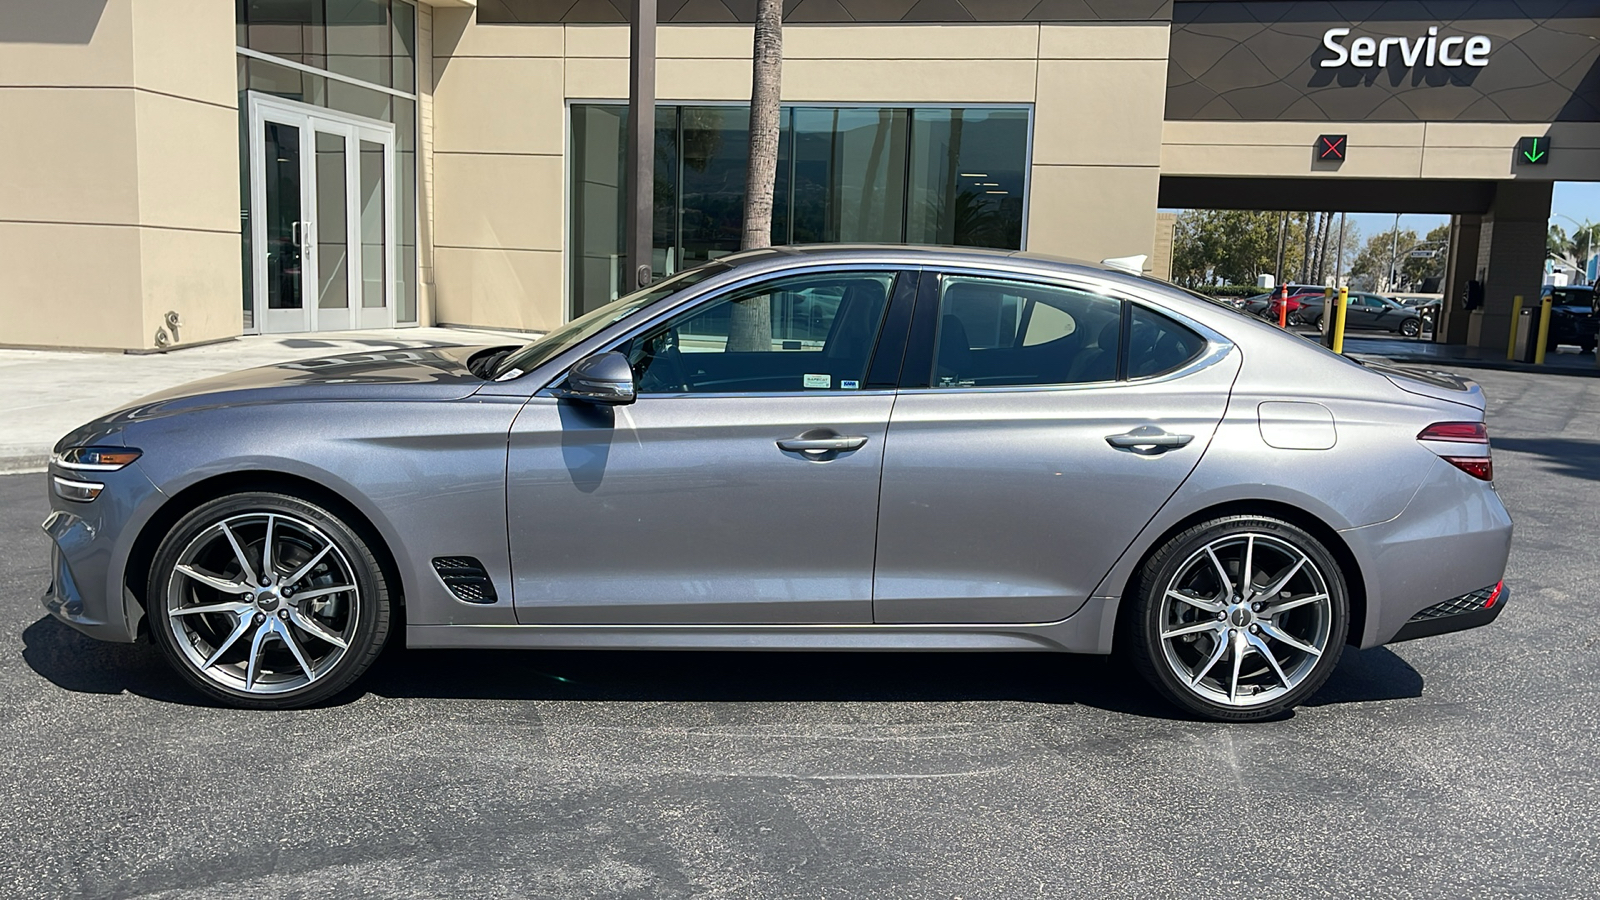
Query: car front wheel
(1411, 328)
(1239, 618)
(264, 600)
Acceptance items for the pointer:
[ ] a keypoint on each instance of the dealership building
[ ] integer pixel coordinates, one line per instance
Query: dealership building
(179, 171)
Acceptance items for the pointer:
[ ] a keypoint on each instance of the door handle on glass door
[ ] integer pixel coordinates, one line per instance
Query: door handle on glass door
(819, 445)
(1148, 440)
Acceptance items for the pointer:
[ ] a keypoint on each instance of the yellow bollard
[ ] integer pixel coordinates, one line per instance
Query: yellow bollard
(1516, 316)
(1338, 320)
(1544, 332)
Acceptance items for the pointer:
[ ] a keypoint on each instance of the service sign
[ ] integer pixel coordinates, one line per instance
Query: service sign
(1529, 61)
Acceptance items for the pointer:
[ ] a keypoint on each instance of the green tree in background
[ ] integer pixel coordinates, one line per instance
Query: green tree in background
(1370, 270)
(1576, 248)
(1229, 246)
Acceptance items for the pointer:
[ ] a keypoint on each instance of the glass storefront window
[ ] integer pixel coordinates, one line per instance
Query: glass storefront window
(890, 174)
(370, 40)
(967, 175)
(373, 40)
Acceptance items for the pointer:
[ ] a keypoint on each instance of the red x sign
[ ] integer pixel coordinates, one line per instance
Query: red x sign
(1331, 147)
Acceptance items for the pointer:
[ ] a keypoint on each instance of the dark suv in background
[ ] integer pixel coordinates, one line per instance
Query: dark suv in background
(1573, 319)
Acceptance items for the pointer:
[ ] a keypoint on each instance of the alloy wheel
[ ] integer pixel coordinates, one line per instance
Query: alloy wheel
(263, 602)
(1245, 620)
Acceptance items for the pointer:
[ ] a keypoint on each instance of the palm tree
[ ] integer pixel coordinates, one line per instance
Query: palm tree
(751, 323)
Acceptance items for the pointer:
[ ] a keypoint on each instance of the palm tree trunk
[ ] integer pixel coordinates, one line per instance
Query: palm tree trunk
(751, 325)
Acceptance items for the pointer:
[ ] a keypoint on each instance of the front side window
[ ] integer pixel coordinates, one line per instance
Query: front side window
(998, 333)
(796, 334)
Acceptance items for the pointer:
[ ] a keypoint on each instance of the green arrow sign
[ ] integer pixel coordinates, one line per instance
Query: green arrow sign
(1534, 150)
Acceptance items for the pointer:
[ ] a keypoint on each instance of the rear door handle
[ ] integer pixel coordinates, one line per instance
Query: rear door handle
(820, 445)
(1148, 440)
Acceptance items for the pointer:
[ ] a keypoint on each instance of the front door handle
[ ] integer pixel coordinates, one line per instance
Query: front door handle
(815, 445)
(1148, 440)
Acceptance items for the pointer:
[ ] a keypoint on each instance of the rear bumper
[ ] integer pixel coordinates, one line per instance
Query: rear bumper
(1472, 610)
(1453, 538)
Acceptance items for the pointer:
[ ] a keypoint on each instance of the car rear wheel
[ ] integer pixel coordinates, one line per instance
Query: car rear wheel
(1316, 321)
(1239, 618)
(266, 601)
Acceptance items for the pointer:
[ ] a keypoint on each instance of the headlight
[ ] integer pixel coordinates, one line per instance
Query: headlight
(96, 459)
(86, 460)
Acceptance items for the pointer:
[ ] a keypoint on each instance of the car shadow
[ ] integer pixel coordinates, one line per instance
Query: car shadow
(1563, 456)
(76, 663)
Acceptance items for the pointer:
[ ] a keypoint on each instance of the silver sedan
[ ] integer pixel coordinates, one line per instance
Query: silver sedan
(844, 448)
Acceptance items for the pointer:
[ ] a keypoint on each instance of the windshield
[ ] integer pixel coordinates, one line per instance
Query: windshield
(532, 354)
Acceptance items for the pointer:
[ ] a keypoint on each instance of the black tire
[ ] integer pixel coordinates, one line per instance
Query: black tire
(1411, 328)
(1316, 322)
(1292, 675)
(273, 664)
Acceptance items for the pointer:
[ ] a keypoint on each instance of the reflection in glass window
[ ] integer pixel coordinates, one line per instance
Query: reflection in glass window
(373, 40)
(889, 174)
(802, 333)
(968, 167)
(996, 333)
(1157, 345)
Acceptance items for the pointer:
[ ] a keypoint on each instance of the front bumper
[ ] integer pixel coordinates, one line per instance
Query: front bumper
(89, 548)
(1472, 610)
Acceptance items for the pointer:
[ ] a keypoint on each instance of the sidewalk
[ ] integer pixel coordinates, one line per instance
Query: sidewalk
(46, 393)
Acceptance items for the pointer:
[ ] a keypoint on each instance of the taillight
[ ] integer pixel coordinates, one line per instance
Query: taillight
(1478, 465)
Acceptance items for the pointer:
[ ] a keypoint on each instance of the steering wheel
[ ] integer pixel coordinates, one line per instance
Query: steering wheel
(658, 367)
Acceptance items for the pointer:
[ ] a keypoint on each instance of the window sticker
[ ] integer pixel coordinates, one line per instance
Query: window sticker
(850, 385)
(818, 381)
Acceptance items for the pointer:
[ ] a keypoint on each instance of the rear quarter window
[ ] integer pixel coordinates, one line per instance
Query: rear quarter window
(1158, 345)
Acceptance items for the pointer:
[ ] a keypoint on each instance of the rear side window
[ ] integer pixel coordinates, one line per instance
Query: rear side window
(999, 333)
(1158, 345)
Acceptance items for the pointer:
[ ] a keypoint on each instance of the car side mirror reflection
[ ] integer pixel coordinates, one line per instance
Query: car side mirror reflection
(602, 378)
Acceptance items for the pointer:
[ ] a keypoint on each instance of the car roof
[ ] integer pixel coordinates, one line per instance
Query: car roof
(919, 254)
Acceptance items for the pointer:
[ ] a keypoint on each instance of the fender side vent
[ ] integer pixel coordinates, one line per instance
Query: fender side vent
(466, 578)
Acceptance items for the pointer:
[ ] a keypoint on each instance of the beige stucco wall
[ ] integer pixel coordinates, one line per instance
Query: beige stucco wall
(122, 203)
(1445, 150)
(500, 129)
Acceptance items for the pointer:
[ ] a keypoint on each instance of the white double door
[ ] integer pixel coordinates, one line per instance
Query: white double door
(322, 202)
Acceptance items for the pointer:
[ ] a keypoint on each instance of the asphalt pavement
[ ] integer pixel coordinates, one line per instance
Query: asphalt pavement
(1461, 766)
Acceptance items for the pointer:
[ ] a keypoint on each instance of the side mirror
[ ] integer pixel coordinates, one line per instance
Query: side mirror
(602, 378)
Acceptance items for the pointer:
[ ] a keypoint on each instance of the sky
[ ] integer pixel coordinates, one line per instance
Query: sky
(1576, 200)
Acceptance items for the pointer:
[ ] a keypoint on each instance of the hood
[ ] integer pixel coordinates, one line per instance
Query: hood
(1431, 383)
(420, 373)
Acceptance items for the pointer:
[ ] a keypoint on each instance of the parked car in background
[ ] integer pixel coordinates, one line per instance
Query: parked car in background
(1573, 319)
(1266, 305)
(1367, 312)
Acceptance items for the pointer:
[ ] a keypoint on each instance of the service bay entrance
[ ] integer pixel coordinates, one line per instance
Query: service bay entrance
(322, 196)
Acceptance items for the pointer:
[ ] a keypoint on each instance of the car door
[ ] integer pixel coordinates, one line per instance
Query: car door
(740, 487)
(1039, 427)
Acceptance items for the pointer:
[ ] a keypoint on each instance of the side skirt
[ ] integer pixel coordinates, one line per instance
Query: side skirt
(1088, 631)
